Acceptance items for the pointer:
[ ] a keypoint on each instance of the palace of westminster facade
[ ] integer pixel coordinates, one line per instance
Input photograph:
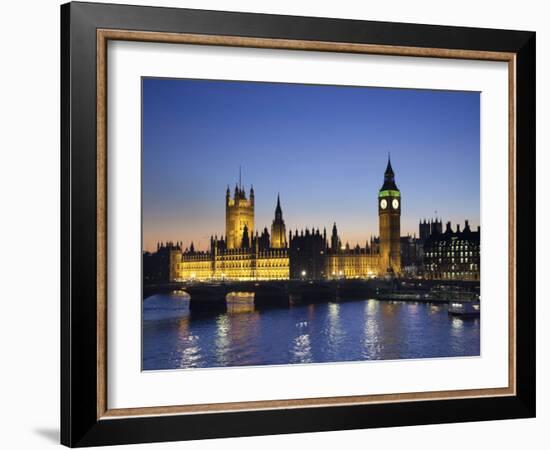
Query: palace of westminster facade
(244, 254)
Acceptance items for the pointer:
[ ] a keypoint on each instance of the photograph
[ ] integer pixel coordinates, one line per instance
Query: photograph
(271, 224)
(292, 223)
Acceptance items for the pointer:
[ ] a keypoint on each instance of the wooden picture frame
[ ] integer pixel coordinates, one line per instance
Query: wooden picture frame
(85, 416)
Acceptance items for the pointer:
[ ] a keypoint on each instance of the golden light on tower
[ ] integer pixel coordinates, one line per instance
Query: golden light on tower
(239, 213)
(389, 214)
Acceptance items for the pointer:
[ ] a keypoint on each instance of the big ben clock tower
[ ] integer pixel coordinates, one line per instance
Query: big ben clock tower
(389, 215)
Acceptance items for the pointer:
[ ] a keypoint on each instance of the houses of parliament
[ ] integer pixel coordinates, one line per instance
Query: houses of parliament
(244, 253)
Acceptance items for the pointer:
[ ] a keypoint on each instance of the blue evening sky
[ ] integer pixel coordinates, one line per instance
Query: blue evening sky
(323, 148)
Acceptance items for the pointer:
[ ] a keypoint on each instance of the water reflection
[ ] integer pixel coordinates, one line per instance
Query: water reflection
(457, 325)
(190, 356)
(372, 306)
(223, 328)
(173, 337)
(190, 351)
(335, 330)
(334, 314)
(388, 308)
(244, 334)
(391, 334)
(240, 308)
(240, 302)
(310, 311)
(301, 352)
(456, 332)
(372, 342)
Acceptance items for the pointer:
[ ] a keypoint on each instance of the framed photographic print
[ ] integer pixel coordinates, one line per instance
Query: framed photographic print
(277, 224)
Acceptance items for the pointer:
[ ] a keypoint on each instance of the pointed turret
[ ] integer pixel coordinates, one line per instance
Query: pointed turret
(278, 229)
(334, 240)
(389, 170)
(389, 178)
(278, 210)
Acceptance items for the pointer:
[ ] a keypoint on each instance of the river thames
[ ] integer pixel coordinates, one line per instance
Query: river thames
(175, 338)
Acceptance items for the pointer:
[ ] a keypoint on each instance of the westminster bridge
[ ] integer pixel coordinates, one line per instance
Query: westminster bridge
(206, 296)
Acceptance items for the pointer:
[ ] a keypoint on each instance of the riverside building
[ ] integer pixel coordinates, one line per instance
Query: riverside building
(243, 253)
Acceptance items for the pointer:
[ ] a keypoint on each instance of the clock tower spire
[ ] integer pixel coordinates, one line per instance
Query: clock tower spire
(389, 216)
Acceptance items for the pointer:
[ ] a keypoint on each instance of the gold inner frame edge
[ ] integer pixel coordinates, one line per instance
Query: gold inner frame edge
(103, 36)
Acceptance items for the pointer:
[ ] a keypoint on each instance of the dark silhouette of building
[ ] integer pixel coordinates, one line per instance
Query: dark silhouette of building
(307, 254)
(263, 240)
(424, 230)
(436, 226)
(453, 255)
(335, 243)
(427, 228)
(411, 253)
(159, 267)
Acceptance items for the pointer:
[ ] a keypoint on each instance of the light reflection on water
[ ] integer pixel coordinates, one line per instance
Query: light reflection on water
(223, 341)
(372, 346)
(301, 352)
(327, 332)
(335, 332)
(188, 349)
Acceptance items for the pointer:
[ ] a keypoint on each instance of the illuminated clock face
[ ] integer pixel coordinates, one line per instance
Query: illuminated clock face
(383, 203)
(395, 203)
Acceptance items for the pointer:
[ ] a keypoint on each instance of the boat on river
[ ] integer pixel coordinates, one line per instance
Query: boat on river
(464, 308)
